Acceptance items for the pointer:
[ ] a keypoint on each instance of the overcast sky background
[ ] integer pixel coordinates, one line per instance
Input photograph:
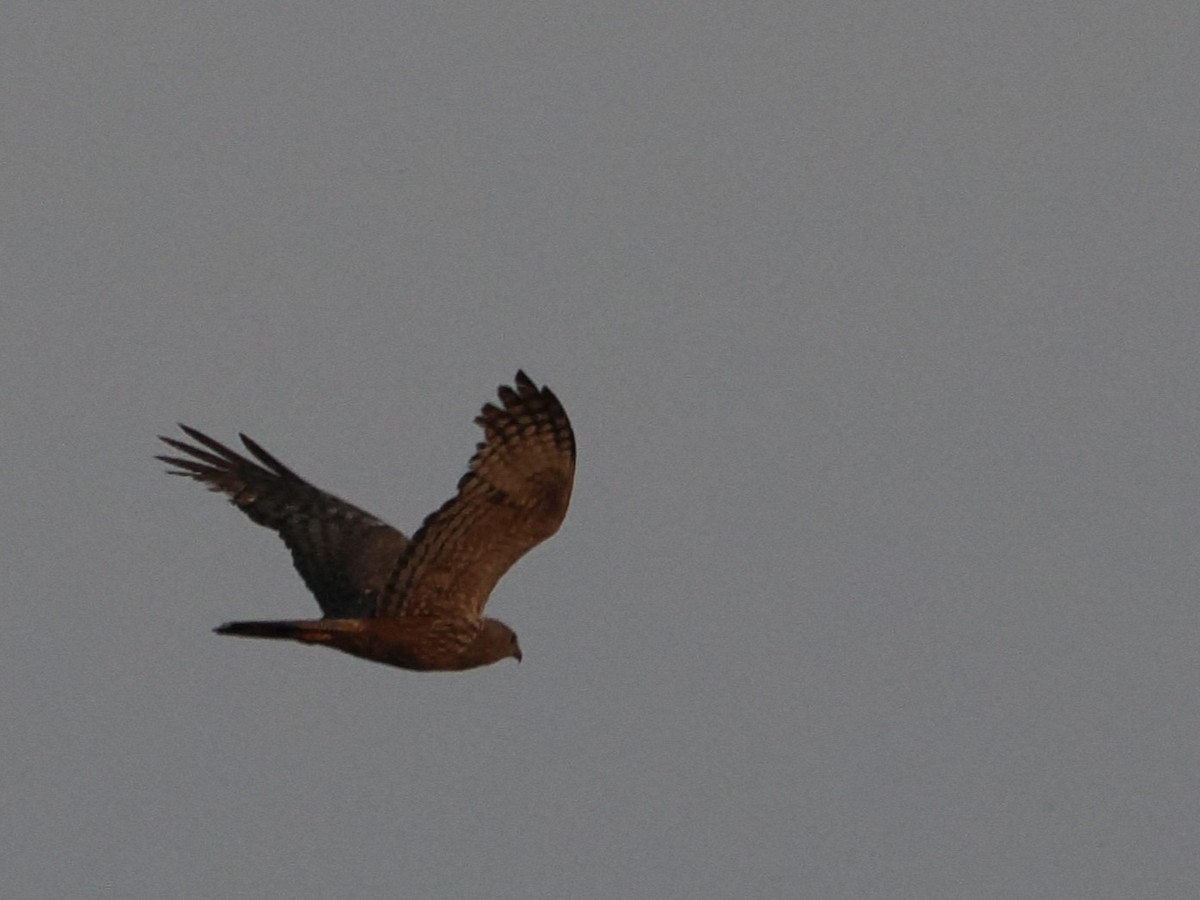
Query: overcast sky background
(878, 324)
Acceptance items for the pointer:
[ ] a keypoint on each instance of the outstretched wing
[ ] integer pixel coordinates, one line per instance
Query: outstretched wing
(513, 497)
(344, 555)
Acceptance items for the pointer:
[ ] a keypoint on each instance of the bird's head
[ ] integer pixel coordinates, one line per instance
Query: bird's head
(494, 642)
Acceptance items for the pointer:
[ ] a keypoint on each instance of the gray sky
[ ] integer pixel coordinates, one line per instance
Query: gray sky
(878, 326)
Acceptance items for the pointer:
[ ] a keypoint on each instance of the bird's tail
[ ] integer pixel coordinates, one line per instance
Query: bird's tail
(306, 631)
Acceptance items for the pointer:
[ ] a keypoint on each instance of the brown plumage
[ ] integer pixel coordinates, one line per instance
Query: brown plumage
(414, 603)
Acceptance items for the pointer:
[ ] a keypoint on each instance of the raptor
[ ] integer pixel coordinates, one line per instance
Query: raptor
(417, 602)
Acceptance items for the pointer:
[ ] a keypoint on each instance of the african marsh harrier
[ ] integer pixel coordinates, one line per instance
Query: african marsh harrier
(416, 603)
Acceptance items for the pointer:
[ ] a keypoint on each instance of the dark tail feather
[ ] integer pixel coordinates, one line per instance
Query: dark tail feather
(307, 631)
(290, 631)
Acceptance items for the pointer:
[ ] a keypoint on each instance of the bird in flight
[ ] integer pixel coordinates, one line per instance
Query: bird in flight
(417, 602)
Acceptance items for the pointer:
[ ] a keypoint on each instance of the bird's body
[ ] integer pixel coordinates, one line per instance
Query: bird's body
(420, 643)
(413, 603)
